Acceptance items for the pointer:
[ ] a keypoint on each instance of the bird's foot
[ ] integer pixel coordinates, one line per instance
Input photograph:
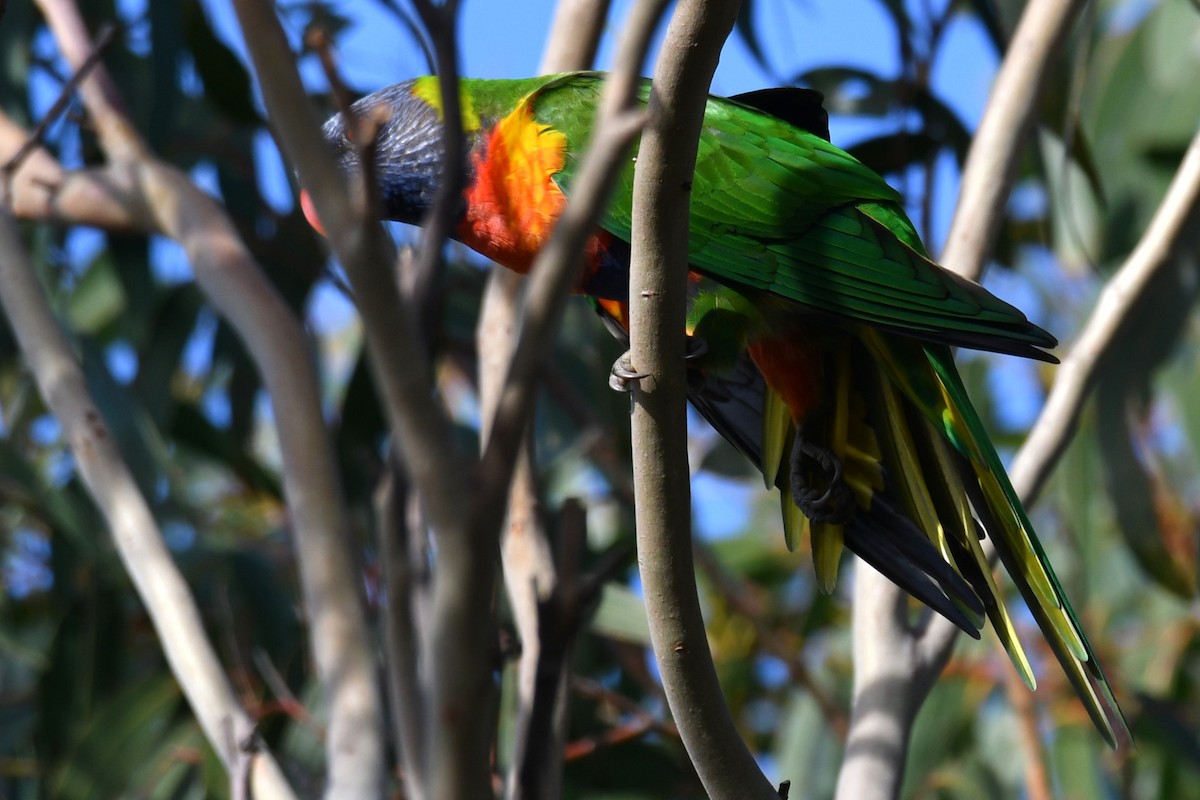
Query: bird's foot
(623, 377)
(831, 504)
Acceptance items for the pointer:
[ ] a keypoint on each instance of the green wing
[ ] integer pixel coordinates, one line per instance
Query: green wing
(779, 210)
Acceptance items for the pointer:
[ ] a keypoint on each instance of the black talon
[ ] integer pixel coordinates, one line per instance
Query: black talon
(695, 348)
(622, 376)
(835, 503)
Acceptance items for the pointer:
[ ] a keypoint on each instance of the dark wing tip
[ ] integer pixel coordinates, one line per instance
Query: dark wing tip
(888, 541)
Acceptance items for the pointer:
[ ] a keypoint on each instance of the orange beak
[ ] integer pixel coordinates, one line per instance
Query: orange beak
(310, 212)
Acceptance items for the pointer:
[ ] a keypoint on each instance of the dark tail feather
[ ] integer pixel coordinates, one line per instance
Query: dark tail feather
(891, 544)
(732, 403)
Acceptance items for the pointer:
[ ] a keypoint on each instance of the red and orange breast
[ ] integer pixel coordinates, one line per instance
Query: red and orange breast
(513, 203)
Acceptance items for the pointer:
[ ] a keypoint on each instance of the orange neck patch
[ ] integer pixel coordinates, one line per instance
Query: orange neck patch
(513, 204)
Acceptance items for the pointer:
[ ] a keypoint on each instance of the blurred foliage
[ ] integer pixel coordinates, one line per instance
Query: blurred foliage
(87, 705)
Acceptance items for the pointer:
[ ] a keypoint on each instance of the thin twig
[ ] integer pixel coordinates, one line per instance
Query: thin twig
(641, 720)
(1037, 781)
(618, 734)
(38, 136)
(441, 21)
(285, 698)
(594, 690)
(409, 24)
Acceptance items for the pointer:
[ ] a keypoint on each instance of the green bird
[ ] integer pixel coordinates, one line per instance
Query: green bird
(821, 331)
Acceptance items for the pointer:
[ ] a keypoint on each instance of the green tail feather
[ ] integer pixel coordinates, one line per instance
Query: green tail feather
(927, 376)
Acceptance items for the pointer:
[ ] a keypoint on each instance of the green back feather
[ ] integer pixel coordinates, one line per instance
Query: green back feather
(781, 210)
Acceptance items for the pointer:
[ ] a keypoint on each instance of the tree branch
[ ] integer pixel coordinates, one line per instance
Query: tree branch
(895, 666)
(992, 162)
(40, 189)
(874, 759)
(1176, 219)
(574, 35)
(137, 538)
(661, 194)
(442, 23)
(1037, 781)
(229, 276)
(401, 635)
(555, 272)
(398, 362)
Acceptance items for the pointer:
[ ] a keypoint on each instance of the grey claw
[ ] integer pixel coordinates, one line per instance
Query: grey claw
(622, 376)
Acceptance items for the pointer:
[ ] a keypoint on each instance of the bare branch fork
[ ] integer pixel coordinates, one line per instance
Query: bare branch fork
(103, 39)
(466, 545)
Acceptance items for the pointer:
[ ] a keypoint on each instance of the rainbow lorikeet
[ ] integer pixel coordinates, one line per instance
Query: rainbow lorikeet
(826, 330)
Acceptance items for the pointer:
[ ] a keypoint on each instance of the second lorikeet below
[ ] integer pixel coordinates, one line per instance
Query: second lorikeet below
(826, 330)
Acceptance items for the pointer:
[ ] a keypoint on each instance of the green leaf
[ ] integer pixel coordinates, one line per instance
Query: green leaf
(116, 740)
(98, 298)
(746, 28)
(226, 82)
(621, 615)
(805, 752)
(896, 152)
(1073, 755)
